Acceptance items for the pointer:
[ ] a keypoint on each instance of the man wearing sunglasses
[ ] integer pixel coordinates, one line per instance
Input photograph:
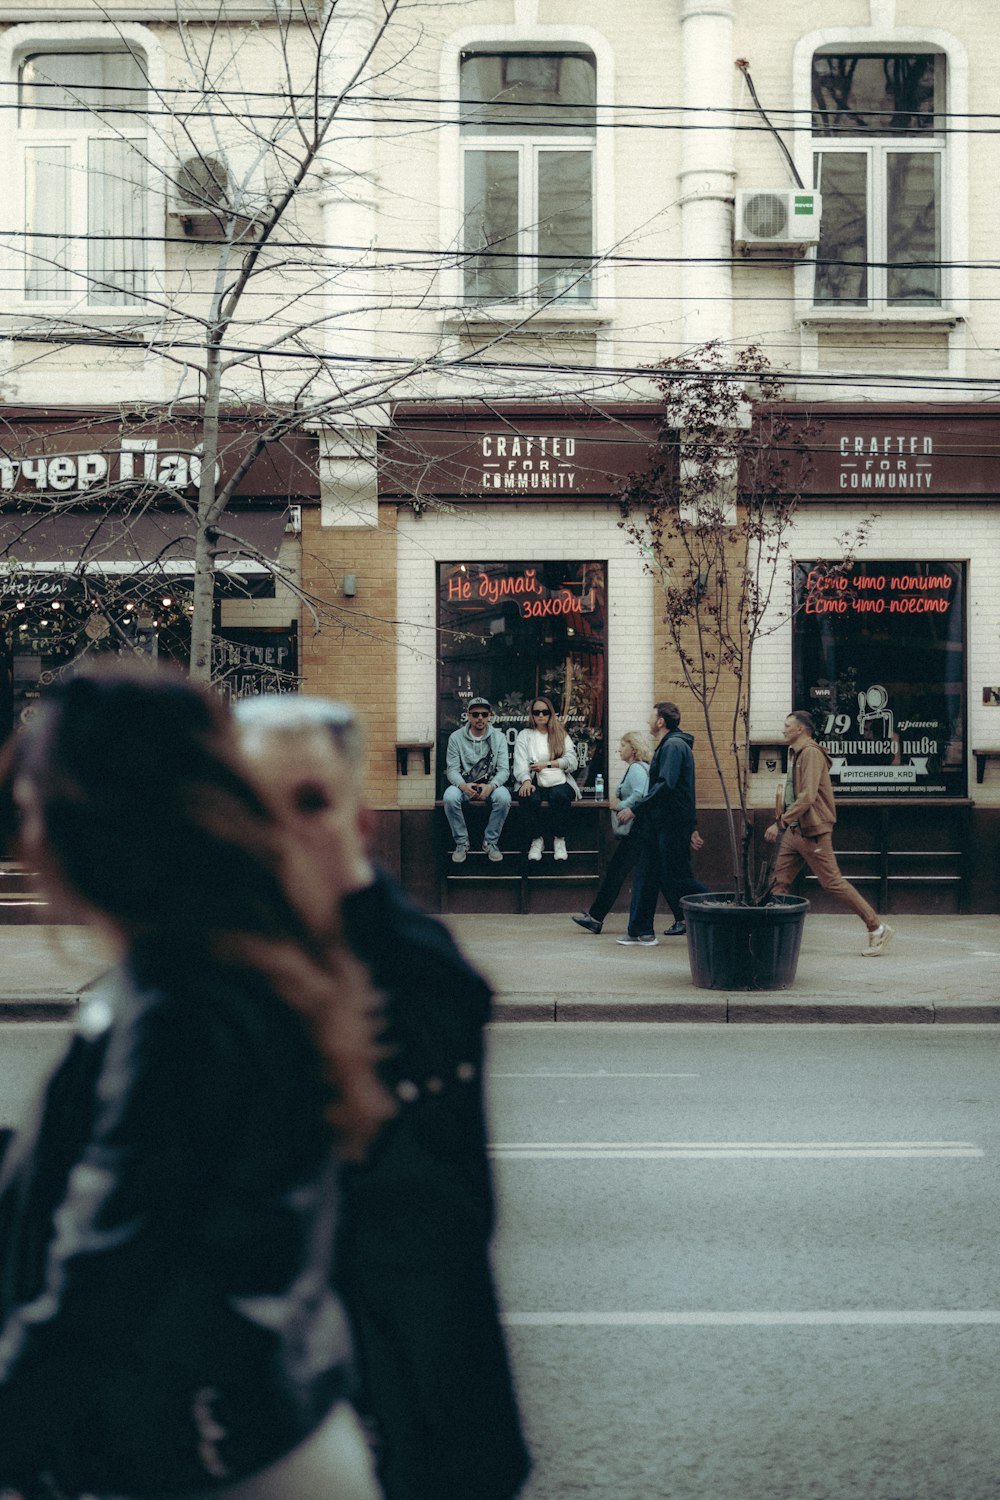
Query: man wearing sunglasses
(478, 768)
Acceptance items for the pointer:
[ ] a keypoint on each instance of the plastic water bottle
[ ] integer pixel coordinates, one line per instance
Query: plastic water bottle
(599, 787)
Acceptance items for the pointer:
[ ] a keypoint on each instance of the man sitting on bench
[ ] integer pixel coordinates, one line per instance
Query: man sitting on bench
(478, 768)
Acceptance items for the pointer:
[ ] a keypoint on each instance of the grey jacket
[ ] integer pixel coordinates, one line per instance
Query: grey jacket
(465, 753)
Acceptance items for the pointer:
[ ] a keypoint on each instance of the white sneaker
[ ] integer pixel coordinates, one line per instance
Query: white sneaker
(559, 849)
(648, 940)
(493, 853)
(535, 852)
(879, 940)
(458, 854)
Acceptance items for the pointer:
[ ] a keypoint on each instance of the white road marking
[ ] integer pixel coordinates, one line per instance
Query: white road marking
(862, 1317)
(730, 1150)
(601, 1074)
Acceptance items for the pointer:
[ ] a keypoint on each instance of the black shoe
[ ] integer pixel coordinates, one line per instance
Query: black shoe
(586, 920)
(678, 930)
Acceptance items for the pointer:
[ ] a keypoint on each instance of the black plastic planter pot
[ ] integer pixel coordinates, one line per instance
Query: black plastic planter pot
(743, 947)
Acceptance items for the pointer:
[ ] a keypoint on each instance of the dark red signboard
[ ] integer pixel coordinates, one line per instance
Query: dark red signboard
(514, 457)
(892, 454)
(95, 452)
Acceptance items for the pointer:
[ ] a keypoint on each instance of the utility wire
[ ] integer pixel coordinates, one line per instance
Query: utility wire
(439, 364)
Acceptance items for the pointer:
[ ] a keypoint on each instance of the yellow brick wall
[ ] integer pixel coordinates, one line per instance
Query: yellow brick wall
(352, 655)
(668, 684)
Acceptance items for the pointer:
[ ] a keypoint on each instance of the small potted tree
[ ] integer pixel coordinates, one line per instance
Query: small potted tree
(712, 516)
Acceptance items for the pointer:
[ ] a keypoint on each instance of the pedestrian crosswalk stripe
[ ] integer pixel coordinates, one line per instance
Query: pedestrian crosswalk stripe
(698, 1318)
(745, 1150)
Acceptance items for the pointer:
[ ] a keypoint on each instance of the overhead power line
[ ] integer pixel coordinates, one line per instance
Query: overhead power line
(456, 254)
(439, 364)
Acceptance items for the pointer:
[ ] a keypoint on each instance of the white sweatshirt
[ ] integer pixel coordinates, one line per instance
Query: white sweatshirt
(532, 745)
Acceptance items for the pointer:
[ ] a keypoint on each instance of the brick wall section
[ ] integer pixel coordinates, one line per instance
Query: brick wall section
(353, 654)
(668, 684)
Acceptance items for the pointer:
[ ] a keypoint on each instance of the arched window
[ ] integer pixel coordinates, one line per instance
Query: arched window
(528, 133)
(879, 163)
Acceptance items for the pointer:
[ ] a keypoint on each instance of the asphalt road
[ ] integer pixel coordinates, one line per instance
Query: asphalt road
(754, 1263)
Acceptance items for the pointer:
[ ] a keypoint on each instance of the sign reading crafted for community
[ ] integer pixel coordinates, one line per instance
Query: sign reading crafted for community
(892, 455)
(879, 661)
(509, 456)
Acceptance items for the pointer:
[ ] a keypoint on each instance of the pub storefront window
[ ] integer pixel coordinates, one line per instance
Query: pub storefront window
(49, 622)
(510, 631)
(879, 660)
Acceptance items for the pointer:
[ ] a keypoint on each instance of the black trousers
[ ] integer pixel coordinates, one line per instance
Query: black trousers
(559, 800)
(664, 865)
(620, 866)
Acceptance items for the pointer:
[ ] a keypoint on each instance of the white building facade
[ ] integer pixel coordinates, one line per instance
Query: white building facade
(524, 204)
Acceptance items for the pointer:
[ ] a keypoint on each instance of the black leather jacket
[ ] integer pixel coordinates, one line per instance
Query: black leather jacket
(166, 1222)
(413, 1260)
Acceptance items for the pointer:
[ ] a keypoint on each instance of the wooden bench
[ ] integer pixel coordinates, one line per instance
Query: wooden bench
(516, 870)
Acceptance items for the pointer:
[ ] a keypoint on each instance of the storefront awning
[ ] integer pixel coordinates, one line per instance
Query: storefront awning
(157, 540)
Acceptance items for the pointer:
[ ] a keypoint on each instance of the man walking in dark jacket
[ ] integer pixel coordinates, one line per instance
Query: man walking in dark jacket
(665, 821)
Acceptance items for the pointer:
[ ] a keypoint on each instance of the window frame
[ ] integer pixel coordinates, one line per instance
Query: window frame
(453, 310)
(877, 148)
(529, 146)
(17, 46)
(954, 305)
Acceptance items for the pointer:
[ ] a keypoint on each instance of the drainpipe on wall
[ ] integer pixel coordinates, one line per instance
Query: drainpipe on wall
(707, 174)
(347, 166)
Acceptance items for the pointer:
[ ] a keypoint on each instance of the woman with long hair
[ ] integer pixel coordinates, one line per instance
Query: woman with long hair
(544, 759)
(167, 1324)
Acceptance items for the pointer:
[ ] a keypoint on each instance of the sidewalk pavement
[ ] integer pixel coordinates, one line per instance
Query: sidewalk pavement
(545, 968)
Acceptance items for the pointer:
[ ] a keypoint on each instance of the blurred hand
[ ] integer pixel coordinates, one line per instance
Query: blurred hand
(697, 842)
(771, 834)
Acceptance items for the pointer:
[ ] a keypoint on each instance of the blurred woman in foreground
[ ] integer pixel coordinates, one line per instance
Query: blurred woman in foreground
(167, 1325)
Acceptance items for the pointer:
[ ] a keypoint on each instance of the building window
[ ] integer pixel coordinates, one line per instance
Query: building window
(82, 135)
(877, 123)
(879, 659)
(528, 132)
(512, 630)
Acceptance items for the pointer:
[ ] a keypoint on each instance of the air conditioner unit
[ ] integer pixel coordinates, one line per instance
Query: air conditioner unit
(202, 193)
(776, 219)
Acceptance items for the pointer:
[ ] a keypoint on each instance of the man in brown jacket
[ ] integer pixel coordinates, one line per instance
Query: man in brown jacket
(804, 817)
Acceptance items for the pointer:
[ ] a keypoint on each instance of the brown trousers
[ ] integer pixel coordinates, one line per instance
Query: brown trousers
(794, 851)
